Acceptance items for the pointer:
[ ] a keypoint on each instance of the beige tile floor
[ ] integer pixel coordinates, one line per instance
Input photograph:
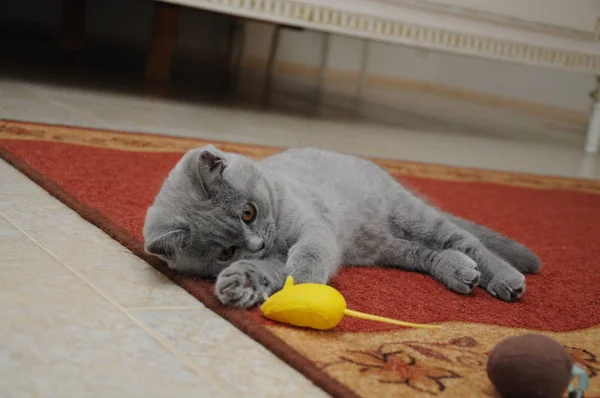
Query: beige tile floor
(80, 316)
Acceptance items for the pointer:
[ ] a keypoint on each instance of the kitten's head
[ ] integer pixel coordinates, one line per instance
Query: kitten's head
(214, 208)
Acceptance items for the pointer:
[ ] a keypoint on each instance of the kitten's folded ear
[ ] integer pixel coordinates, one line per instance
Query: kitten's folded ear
(166, 245)
(210, 164)
(211, 160)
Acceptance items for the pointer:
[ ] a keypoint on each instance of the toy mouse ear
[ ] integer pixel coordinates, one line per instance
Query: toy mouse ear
(289, 282)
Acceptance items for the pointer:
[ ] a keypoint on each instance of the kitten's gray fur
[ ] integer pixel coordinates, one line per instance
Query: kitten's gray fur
(317, 210)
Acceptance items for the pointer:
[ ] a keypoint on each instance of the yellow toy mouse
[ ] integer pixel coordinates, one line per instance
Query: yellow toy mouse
(317, 306)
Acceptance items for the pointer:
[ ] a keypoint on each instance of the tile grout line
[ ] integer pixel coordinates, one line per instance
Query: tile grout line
(164, 308)
(21, 194)
(46, 97)
(154, 334)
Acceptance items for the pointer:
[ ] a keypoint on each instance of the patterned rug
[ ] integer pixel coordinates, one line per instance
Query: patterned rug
(110, 178)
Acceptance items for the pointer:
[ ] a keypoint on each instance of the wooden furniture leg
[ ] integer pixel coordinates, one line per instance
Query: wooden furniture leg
(162, 41)
(362, 73)
(266, 91)
(72, 29)
(326, 41)
(235, 52)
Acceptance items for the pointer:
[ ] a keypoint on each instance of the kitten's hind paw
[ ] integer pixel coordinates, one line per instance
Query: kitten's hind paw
(507, 287)
(457, 271)
(464, 280)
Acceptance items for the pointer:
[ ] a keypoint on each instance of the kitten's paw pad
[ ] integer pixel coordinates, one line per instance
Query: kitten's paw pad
(240, 287)
(464, 280)
(458, 271)
(469, 277)
(507, 288)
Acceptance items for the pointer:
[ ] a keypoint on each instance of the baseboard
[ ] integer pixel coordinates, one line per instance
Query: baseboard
(547, 112)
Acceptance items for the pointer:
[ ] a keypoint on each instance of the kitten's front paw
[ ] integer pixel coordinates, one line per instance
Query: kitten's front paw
(242, 285)
(507, 286)
(457, 271)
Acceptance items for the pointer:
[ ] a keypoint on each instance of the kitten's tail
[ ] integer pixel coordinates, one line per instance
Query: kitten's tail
(515, 253)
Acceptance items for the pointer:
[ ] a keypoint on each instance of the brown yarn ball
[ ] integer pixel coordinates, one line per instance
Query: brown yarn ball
(529, 366)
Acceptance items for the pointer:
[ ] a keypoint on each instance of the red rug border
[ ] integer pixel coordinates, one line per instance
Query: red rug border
(281, 148)
(238, 318)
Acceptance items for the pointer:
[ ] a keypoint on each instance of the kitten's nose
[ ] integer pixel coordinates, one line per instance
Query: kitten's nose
(255, 244)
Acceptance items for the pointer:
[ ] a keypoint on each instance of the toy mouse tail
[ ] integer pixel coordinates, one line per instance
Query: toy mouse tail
(362, 315)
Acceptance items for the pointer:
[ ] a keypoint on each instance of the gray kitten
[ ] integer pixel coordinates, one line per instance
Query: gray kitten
(306, 212)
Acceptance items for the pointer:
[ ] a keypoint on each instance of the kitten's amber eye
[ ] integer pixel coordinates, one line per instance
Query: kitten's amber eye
(226, 254)
(249, 213)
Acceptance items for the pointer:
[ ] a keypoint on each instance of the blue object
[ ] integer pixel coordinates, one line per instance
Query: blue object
(583, 382)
